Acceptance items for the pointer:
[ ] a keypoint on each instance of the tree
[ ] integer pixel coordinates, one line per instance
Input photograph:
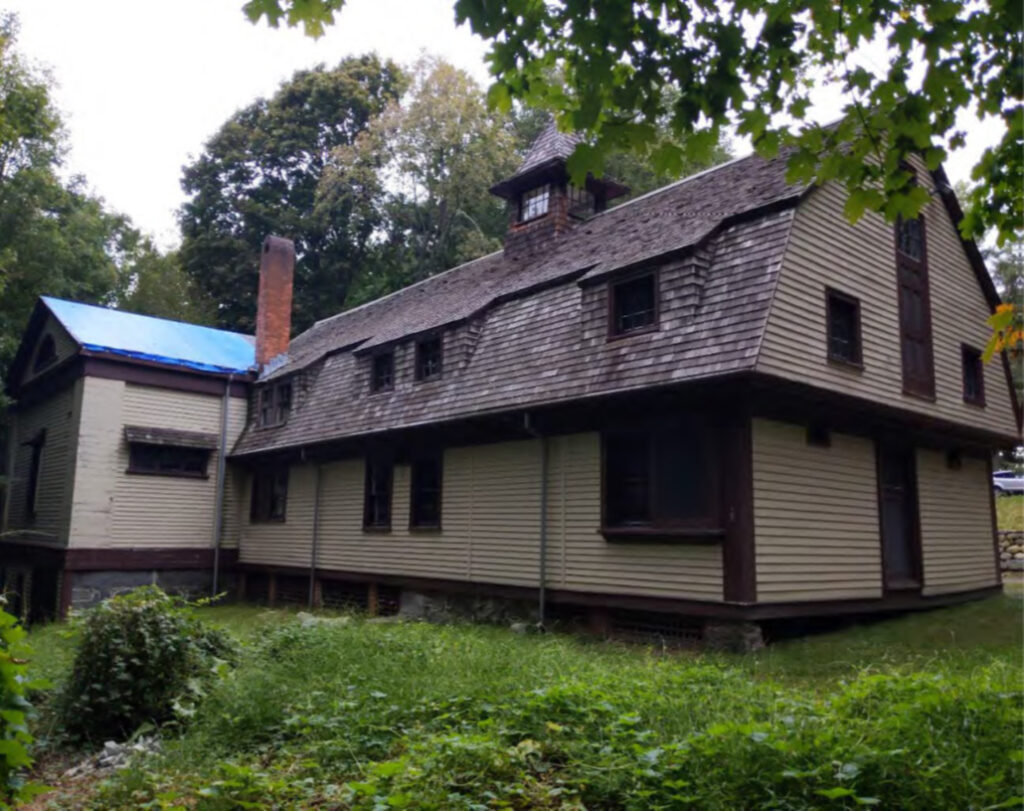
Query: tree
(605, 66)
(258, 175)
(426, 165)
(152, 283)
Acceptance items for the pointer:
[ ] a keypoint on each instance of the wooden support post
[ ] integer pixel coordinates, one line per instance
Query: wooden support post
(371, 599)
(599, 621)
(272, 589)
(240, 587)
(318, 593)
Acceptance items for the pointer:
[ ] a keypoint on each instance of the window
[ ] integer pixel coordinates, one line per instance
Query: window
(382, 376)
(275, 404)
(428, 359)
(634, 304)
(269, 495)
(534, 203)
(46, 354)
(35, 468)
(843, 325)
(167, 460)
(659, 480)
(377, 495)
(915, 315)
(581, 201)
(974, 375)
(425, 495)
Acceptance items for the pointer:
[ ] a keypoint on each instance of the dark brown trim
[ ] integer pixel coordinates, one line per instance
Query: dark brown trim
(694, 608)
(917, 560)
(175, 474)
(668, 535)
(145, 373)
(995, 520)
(858, 362)
(136, 558)
(737, 473)
(971, 358)
(617, 281)
(913, 273)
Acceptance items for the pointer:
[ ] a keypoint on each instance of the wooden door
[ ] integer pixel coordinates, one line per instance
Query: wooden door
(897, 499)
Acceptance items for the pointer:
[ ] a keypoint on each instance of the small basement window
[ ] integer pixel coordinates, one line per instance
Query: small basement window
(428, 358)
(661, 480)
(534, 203)
(382, 375)
(425, 496)
(973, 375)
(168, 460)
(269, 495)
(377, 495)
(634, 304)
(275, 404)
(843, 325)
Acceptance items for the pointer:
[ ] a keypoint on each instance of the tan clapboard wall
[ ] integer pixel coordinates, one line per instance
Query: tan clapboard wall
(957, 547)
(113, 508)
(815, 516)
(58, 416)
(859, 260)
(63, 343)
(490, 517)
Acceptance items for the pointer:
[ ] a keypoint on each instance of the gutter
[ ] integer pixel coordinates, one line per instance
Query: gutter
(542, 564)
(218, 513)
(314, 544)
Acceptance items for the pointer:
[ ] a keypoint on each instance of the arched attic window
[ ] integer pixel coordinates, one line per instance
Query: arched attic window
(46, 354)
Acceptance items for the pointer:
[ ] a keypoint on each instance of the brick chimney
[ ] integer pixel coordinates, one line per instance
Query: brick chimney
(274, 305)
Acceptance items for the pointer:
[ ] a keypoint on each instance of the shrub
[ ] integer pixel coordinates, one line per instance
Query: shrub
(15, 737)
(142, 657)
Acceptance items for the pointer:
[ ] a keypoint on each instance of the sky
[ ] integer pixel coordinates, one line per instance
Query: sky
(142, 85)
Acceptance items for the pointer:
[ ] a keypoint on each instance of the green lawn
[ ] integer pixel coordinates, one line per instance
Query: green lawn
(1010, 512)
(922, 711)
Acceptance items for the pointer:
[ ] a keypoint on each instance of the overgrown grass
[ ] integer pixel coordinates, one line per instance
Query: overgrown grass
(917, 712)
(1010, 512)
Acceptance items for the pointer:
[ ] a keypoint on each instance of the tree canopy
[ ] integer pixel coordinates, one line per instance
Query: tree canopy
(909, 70)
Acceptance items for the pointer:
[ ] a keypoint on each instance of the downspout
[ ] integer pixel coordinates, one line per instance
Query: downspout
(542, 565)
(218, 513)
(316, 534)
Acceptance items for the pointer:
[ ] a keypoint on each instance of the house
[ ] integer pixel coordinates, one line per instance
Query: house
(718, 403)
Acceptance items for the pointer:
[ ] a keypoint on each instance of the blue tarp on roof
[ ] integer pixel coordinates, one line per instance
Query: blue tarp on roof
(175, 343)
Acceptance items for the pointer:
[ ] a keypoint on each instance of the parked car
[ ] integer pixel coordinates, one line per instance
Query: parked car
(1007, 481)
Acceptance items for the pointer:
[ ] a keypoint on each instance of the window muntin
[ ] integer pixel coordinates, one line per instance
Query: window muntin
(382, 374)
(46, 355)
(634, 304)
(534, 203)
(275, 404)
(377, 495)
(269, 495)
(910, 238)
(167, 460)
(843, 325)
(428, 358)
(973, 375)
(660, 478)
(425, 493)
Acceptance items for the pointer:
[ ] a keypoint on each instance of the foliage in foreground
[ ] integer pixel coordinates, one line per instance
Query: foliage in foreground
(141, 657)
(15, 737)
(416, 716)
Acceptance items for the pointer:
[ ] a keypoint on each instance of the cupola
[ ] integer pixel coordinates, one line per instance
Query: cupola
(542, 202)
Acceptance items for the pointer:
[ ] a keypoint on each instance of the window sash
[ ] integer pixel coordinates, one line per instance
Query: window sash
(377, 495)
(429, 359)
(383, 372)
(973, 375)
(918, 363)
(167, 460)
(634, 304)
(275, 404)
(535, 203)
(269, 498)
(843, 328)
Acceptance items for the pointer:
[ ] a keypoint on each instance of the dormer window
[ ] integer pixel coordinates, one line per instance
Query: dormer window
(382, 375)
(633, 304)
(275, 404)
(581, 202)
(534, 203)
(428, 358)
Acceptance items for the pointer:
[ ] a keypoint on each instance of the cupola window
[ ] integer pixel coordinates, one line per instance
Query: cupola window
(534, 203)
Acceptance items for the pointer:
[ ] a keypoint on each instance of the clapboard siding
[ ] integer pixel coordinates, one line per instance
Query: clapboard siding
(113, 508)
(815, 516)
(63, 344)
(58, 416)
(956, 524)
(490, 533)
(859, 260)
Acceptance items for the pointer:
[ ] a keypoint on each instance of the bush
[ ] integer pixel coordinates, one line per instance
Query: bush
(142, 657)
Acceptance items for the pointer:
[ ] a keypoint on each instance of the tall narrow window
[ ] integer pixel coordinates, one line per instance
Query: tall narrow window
(428, 358)
(382, 374)
(843, 325)
(534, 203)
(915, 314)
(36, 445)
(269, 495)
(377, 495)
(973, 375)
(634, 304)
(425, 493)
(660, 479)
(46, 354)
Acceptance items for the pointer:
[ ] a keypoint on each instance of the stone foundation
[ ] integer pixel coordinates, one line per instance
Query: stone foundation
(1011, 550)
(89, 589)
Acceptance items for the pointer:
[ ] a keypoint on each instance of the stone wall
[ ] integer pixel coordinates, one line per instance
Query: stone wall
(1011, 550)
